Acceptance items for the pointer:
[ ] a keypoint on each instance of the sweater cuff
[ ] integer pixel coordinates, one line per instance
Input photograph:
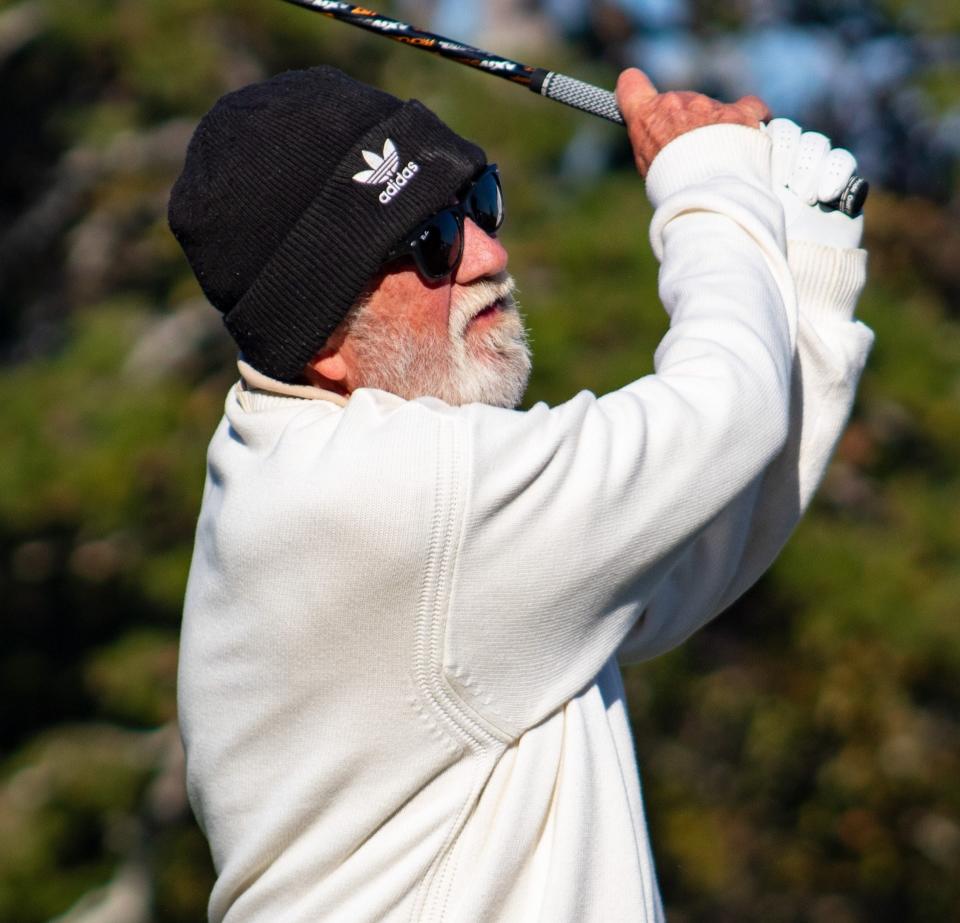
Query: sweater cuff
(713, 150)
(829, 280)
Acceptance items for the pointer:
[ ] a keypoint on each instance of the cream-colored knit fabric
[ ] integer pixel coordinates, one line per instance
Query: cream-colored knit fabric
(398, 683)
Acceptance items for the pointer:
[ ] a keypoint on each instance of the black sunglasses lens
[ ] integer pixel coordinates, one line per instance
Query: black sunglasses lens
(439, 245)
(485, 203)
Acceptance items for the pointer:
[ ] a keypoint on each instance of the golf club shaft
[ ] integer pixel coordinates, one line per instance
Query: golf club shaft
(556, 86)
(553, 85)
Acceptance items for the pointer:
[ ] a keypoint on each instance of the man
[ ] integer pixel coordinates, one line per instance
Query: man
(398, 685)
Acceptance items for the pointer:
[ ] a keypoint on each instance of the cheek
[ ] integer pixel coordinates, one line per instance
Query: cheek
(424, 308)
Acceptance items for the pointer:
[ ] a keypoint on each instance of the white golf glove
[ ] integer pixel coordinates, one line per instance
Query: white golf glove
(806, 173)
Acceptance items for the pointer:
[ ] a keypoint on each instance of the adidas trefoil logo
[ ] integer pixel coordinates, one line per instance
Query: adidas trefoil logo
(381, 167)
(384, 169)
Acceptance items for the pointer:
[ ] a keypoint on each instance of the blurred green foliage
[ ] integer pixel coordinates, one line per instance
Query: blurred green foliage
(801, 756)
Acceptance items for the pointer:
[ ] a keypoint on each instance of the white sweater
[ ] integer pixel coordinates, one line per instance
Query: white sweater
(398, 683)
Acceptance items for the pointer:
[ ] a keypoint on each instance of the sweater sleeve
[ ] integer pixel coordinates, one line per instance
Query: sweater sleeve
(832, 348)
(575, 516)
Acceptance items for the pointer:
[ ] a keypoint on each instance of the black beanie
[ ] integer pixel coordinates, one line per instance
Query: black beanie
(292, 194)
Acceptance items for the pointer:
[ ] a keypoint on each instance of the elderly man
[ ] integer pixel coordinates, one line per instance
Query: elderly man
(399, 688)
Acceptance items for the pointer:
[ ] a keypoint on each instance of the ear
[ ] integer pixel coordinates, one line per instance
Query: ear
(329, 364)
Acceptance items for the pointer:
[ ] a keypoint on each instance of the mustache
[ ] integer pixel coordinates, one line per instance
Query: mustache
(471, 299)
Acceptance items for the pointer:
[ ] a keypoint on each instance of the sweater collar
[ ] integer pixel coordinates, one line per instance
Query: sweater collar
(252, 380)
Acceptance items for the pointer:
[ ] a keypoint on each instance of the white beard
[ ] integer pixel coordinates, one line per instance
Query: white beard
(491, 369)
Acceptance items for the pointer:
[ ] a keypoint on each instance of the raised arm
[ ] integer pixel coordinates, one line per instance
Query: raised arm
(576, 515)
(832, 347)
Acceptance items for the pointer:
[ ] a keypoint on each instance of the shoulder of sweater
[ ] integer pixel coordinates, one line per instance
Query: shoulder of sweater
(374, 417)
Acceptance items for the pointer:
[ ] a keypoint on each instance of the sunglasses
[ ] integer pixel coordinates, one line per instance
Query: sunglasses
(437, 245)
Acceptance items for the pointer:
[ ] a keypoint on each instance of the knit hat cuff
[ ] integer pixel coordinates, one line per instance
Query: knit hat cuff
(290, 310)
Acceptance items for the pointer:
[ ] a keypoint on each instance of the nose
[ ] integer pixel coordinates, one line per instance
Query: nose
(483, 255)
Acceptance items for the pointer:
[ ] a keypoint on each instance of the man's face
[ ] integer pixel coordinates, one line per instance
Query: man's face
(460, 339)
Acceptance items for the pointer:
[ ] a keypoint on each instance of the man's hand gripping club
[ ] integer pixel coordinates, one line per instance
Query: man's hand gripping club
(655, 119)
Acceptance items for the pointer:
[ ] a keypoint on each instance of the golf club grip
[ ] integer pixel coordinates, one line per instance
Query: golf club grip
(579, 95)
(588, 98)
